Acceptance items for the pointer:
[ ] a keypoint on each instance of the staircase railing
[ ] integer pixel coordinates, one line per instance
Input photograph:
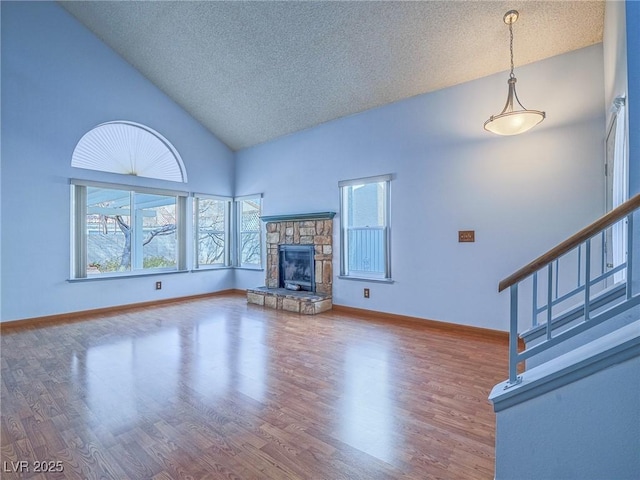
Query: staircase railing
(588, 256)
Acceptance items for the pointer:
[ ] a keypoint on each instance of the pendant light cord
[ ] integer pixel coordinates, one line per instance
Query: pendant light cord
(511, 47)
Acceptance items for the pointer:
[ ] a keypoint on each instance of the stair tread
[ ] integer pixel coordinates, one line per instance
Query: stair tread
(571, 366)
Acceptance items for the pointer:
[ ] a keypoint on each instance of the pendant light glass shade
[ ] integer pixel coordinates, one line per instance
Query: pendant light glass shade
(514, 118)
(510, 121)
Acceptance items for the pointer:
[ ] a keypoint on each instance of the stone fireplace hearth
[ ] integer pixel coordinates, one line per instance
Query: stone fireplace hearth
(310, 229)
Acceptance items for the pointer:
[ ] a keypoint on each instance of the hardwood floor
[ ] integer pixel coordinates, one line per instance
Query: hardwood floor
(218, 389)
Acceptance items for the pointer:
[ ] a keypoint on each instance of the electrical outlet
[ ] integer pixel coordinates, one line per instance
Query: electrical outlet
(366, 293)
(158, 285)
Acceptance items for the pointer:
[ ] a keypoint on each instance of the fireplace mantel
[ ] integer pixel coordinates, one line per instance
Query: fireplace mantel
(298, 217)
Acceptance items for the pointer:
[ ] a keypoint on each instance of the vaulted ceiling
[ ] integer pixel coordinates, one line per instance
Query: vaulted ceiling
(254, 71)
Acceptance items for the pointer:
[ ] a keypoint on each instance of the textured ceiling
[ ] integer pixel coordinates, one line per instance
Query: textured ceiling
(254, 71)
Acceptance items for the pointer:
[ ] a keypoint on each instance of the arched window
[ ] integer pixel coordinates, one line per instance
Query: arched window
(129, 148)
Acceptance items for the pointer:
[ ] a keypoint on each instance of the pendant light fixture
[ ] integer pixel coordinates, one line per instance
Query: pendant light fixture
(514, 118)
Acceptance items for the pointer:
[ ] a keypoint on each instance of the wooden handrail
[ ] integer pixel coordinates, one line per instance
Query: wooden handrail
(572, 242)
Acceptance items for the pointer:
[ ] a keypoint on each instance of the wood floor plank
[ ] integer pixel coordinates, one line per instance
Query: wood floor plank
(213, 388)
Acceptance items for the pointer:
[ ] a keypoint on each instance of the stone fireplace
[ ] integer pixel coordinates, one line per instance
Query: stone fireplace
(300, 257)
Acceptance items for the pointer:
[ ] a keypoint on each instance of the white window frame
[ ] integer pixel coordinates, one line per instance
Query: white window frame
(79, 227)
(345, 271)
(228, 220)
(237, 220)
(616, 188)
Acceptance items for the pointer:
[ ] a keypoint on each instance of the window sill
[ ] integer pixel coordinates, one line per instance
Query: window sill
(229, 267)
(147, 274)
(367, 279)
(210, 269)
(124, 275)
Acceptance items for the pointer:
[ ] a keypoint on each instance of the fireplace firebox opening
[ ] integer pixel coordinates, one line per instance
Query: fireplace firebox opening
(297, 267)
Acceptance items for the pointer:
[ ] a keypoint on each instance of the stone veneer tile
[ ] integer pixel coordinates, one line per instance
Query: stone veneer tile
(273, 237)
(323, 306)
(291, 305)
(270, 301)
(327, 271)
(323, 240)
(255, 298)
(308, 308)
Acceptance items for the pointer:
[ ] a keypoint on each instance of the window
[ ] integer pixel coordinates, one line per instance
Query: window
(211, 216)
(364, 228)
(617, 188)
(129, 148)
(249, 240)
(123, 230)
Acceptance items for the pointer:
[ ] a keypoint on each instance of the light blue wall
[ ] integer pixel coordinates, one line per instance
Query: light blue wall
(586, 429)
(633, 103)
(614, 42)
(58, 82)
(522, 195)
